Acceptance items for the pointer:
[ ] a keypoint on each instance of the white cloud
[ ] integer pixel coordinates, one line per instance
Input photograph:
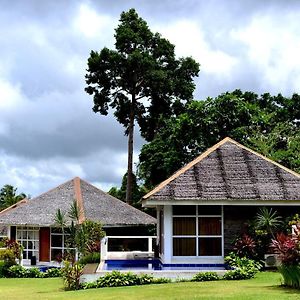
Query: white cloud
(273, 45)
(190, 40)
(89, 22)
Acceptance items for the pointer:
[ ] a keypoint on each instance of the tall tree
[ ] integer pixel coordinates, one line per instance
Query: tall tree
(9, 196)
(141, 80)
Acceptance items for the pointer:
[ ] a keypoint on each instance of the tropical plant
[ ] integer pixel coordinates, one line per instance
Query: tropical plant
(71, 273)
(142, 81)
(245, 246)
(268, 219)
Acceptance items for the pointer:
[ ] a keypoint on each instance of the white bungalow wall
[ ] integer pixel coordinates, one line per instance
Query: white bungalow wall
(168, 258)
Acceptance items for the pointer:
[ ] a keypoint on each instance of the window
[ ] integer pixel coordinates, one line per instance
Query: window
(28, 237)
(60, 243)
(197, 230)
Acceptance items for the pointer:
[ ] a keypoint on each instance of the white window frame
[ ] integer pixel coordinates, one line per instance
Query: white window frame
(35, 241)
(197, 235)
(62, 248)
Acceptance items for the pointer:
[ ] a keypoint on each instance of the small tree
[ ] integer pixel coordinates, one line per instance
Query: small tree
(9, 196)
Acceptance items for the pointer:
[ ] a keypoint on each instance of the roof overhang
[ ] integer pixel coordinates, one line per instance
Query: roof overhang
(154, 203)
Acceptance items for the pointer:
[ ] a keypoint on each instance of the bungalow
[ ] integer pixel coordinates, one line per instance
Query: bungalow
(204, 206)
(31, 222)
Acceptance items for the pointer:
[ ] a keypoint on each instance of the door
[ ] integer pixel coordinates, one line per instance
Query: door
(44, 244)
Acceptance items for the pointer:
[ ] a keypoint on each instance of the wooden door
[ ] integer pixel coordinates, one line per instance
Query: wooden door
(44, 244)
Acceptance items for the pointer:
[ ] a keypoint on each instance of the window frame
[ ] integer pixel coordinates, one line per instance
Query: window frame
(197, 236)
(35, 241)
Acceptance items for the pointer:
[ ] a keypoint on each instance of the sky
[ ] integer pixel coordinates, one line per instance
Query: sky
(48, 131)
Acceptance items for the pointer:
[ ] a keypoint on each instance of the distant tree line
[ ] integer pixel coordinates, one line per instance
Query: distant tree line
(9, 196)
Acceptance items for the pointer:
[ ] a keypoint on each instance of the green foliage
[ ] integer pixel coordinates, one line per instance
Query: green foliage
(7, 254)
(18, 271)
(87, 237)
(90, 258)
(4, 267)
(268, 219)
(245, 246)
(71, 273)
(238, 274)
(291, 275)
(265, 123)
(52, 272)
(14, 247)
(206, 276)
(9, 196)
(137, 191)
(116, 278)
(75, 212)
(142, 81)
(244, 268)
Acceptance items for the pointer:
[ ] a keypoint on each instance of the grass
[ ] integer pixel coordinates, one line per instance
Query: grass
(266, 285)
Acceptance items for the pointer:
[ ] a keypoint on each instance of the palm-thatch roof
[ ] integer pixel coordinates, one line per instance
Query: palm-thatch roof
(226, 173)
(94, 205)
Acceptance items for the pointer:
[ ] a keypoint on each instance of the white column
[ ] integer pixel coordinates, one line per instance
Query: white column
(103, 249)
(168, 232)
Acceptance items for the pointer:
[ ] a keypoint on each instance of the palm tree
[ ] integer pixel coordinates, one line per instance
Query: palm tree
(268, 219)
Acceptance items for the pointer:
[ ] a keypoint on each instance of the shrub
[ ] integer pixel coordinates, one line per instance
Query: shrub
(291, 275)
(245, 246)
(206, 276)
(287, 247)
(52, 272)
(238, 274)
(71, 273)
(90, 258)
(7, 254)
(17, 271)
(244, 268)
(116, 278)
(4, 267)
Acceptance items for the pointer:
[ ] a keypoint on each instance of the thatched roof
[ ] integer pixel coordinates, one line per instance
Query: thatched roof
(94, 204)
(229, 172)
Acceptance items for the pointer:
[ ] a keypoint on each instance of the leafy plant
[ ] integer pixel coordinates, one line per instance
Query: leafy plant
(287, 248)
(245, 246)
(238, 274)
(4, 267)
(116, 278)
(90, 258)
(71, 273)
(268, 219)
(206, 276)
(52, 272)
(243, 266)
(291, 275)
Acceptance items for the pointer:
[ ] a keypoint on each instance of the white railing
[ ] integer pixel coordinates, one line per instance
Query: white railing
(123, 252)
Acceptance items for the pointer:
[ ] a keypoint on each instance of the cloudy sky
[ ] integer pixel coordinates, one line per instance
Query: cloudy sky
(48, 132)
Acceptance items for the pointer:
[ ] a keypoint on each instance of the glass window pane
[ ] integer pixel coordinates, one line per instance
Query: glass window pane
(184, 226)
(209, 210)
(210, 246)
(56, 241)
(184, 210)
(210, 226)
(184, 246)
(56, 254)
(24, 255)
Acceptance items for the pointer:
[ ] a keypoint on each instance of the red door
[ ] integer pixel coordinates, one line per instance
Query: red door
(44, 244)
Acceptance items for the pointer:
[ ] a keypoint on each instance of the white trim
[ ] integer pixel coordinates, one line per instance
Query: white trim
(153, 203)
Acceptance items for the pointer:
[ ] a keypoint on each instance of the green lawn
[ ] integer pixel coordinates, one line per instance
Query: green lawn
(265, 286)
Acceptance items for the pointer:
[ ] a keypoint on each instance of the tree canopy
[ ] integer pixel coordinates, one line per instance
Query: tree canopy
(267, 124)
(9, 196)
(141, 80)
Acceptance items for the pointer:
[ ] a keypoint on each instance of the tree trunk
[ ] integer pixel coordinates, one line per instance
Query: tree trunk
(130, 153)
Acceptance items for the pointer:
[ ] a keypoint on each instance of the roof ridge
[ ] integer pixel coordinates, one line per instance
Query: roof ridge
(204, 155)
(79, 198)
